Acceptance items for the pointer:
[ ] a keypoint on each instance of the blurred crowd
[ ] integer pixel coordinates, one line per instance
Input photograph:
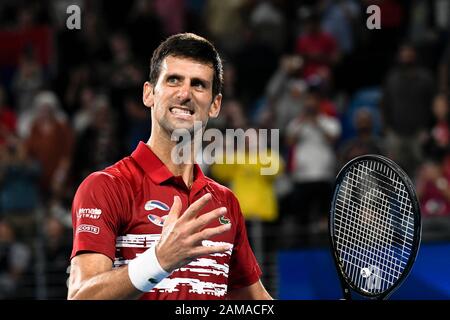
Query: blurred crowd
(70, 104)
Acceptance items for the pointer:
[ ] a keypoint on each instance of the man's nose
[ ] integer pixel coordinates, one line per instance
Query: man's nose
(184, 93)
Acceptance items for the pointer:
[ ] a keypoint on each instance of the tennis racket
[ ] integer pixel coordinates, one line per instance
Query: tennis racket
(375, 226)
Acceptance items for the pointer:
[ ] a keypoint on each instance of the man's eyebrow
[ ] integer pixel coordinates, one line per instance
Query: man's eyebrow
(201, 80)
(174, 74)
(204, 81)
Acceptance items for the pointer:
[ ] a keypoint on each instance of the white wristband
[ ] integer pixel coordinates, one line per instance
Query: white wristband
(145, 272)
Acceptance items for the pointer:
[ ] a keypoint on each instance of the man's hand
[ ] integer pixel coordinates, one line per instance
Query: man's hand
(182, 235)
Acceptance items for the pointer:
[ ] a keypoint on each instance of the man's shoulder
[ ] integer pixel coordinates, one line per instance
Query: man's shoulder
(223, 191)
(123, 172)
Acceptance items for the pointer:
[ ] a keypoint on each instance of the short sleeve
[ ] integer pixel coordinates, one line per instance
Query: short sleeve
(244, 269)
(97, 214)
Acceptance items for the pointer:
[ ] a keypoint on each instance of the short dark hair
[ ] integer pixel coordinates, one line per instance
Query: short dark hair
(188, 45)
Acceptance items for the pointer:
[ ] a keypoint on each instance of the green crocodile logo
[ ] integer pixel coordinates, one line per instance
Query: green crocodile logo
(224, 220)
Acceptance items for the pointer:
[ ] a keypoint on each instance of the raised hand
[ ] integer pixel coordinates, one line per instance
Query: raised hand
(182, 235)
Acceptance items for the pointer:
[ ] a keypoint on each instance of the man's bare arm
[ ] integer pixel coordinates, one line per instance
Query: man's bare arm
(92, 277)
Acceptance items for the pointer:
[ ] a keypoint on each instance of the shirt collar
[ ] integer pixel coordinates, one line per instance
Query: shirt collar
(157, 170)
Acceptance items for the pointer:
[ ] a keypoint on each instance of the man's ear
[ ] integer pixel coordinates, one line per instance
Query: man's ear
(147, 95)
(215, 106)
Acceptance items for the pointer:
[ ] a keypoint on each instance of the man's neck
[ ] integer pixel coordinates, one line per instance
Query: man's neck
(162, 148)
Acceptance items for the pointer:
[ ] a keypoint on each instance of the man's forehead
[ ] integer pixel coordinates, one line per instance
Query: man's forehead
(175, 64)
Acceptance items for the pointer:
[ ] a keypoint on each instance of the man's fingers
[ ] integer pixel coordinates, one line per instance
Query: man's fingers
(206, 218)
(209, 233)
(195, 207)
(175, 210)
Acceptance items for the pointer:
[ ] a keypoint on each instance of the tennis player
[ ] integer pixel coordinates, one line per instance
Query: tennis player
(149, 228)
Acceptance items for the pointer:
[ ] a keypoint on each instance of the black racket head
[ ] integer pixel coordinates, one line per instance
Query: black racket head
(375, 226)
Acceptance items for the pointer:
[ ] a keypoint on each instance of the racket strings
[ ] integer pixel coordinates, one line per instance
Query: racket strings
(378, 249)
(378, 223)
(373, 226)
(370, 203)
(368, 199)
(379, 183)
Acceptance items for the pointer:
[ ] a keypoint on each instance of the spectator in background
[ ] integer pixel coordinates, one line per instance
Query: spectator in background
(285, 91)
(19, 192)
(137, 121)
(232, 117)
(365, 141)
(84, 115)
(172, 15)
(342, 20)
(437, 141)
(122, 60)
(255, 63)
(7, 119)
(78, 78)
(57, 248)
(317, 47)
(339, 19)
(92, 43)
(267, 20)
(50, 142)
(433, 190)
(229, 80)
(407, 98)
(99, 145)
(312, 136)
(14, 259)
(254, 190)
(433, 186)
(125, 76)
(233, 114)
(224, 22)
(27, 80)
(428, 27)
(326, 105)
(433, 178)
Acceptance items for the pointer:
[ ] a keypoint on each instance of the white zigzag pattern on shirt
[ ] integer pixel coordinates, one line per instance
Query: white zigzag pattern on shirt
(203, 267)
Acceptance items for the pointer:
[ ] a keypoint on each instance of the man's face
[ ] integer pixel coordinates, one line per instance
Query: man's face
(182, 95)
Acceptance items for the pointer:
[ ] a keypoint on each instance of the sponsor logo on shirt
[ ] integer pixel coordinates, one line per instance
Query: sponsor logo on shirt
(88, 228)
(159, 221)
(91, 213)
(156, 204)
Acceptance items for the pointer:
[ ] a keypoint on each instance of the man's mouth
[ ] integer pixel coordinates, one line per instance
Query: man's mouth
(181, 111)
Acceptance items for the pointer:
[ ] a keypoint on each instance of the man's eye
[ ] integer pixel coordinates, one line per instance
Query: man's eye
(199, 85)
(172, 80)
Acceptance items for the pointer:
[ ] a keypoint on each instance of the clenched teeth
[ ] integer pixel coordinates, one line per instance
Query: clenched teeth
(181, 111)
